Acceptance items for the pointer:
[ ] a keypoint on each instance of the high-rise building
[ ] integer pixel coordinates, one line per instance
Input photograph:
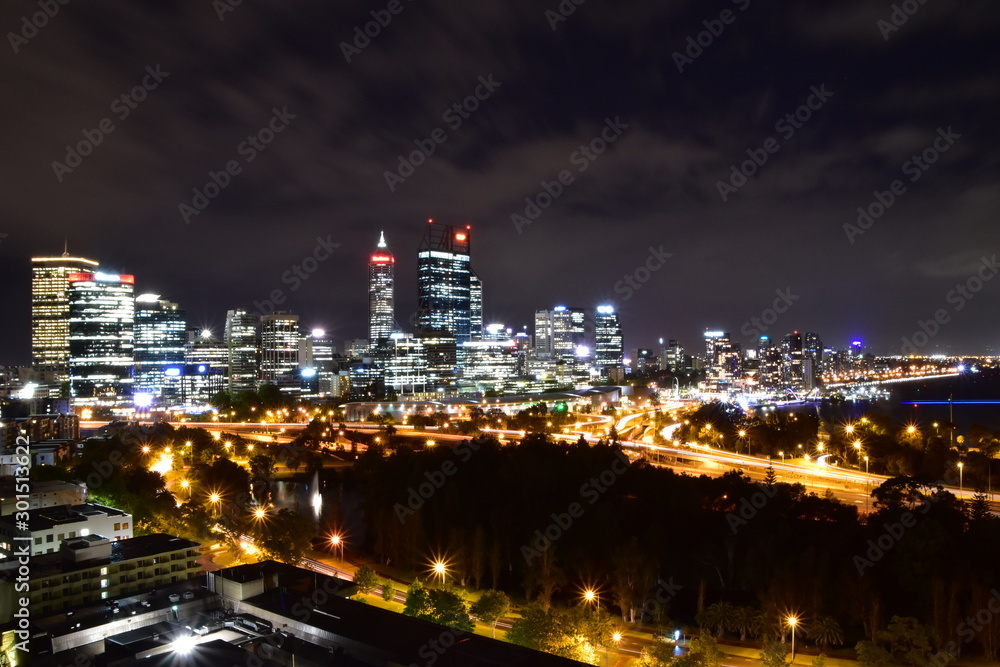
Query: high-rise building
(242, 339)
(101, 338)
(316, 362)
(50, 310)
(543, 333)
(791, 358)
(160, 334)
(569, 333)
(444, 282)
(722, 358)
(381, 286)
(609, 348)
(279, 350)
(475, 306)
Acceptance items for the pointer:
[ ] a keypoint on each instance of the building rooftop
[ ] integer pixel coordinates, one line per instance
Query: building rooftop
(47, 565)
(44, 518)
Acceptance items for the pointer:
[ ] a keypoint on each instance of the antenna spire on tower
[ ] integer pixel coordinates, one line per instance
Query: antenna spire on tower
(381, 240)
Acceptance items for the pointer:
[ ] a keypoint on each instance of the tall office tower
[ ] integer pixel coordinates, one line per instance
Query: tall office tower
(203, 348)
(357, 348)
(722, 357)
(316, 361)
(475, 306)
(444, 282)
(569, 332)
(50, 310)
(543, 333)
(242, 339)
(791, 360)
(279, 350)
(381, 287)
(160, 334)
(672, 357)
(101, 338)
(609, 349)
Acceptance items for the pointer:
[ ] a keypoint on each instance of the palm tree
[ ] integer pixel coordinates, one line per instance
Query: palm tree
(825, 632)
(746, 620)
(718, 615)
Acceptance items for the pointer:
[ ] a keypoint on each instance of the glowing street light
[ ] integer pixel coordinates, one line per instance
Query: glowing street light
(440, 570)
(259, 513)
(337, 542)
(792, 622)
(961, 485)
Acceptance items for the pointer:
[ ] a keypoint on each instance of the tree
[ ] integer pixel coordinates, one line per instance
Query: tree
(285, 537)
(773, 654)
(448, 608)
(718, 615)
(745, 621)
(366, 580)
(826, 632)
(819, 660)
(388, 592)
(704, 649)
(871, 654)
(908, 640)
(770, 477)
(658, 655)
(418, 602)
(491, 607)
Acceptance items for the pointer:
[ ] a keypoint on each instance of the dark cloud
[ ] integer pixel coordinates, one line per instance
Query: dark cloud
(656, 185)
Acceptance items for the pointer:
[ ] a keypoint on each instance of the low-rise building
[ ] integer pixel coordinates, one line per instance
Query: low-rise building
(47, 527)
(48, 493)
(93, 568)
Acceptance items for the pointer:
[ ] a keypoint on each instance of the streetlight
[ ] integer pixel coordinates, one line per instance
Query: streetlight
(440, 570)
(590, 595)
(782, 454)
(337, 542)
(792, 622)
(960, 482)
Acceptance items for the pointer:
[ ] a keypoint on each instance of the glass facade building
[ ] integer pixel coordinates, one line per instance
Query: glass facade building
(160, 334)
(101, 338)
(444, 283)
(50, 310)
(381, 290)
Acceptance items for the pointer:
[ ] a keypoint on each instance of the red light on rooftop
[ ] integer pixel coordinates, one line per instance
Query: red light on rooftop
(382, 259)
(127, 279)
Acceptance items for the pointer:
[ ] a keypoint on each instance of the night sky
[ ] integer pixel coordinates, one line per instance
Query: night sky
(554, 81)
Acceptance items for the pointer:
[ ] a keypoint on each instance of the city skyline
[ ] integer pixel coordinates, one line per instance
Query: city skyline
(652, 134)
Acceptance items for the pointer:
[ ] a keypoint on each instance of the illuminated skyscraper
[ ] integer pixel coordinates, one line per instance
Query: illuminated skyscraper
(101, 338)
(50, 310)
(279, 350)
(569, 333)
(609, 349)
(381, 286)
(160, 334)
(445, 288)
(242, 338)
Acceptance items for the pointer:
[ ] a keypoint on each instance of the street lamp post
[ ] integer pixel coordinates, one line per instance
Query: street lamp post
(961, 484)
(792, 622)
(337, 542)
